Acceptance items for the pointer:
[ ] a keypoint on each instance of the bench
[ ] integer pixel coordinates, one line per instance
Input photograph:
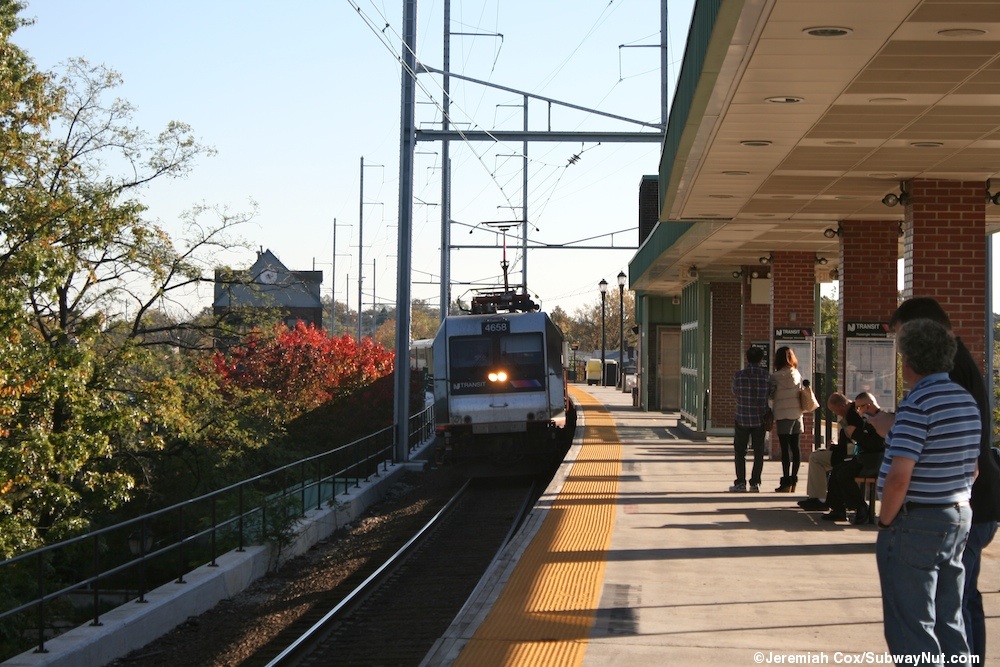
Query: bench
(868, 487)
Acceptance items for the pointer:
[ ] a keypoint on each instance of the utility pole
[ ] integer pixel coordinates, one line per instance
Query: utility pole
(361, 241)
(333, 284)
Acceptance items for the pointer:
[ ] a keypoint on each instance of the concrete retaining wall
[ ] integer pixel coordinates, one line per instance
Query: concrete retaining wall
(133, 625)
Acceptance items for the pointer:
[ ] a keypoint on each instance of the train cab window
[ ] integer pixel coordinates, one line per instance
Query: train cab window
(470, 353)
(522, 351)
(520, 356)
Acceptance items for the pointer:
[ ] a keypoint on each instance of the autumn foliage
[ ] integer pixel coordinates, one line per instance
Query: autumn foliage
(302, 367)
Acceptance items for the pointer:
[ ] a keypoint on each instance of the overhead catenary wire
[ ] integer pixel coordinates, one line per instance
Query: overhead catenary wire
(548, 179)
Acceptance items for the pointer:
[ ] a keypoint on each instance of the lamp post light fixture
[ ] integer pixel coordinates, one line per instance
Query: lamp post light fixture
(603, 286)
(621, 329)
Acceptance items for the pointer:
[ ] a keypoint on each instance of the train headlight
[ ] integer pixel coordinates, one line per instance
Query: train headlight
(497, 376)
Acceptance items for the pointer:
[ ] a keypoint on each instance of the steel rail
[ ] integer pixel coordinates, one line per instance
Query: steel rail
(303, 643)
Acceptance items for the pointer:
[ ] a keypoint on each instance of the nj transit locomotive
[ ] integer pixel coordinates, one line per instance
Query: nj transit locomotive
(500, 386)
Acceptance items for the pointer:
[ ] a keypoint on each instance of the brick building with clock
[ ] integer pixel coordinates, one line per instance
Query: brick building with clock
(269, 285)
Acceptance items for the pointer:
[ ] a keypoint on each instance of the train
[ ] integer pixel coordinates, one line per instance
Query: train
(499, 383)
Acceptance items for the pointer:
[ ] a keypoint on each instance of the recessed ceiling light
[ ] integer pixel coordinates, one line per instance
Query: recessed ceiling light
(782, 196)
(736, 172)
(783, 100)
(887, 100)
(883, 174)
(755, 142)
(846, 197)
(828, 31)
(841, 142)
(720, 196)
(926, 144)
(961, 32)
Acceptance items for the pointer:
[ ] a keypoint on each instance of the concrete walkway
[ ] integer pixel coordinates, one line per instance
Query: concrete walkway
(695, 575)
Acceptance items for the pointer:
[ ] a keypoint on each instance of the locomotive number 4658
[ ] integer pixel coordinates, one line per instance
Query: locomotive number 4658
(496, 327)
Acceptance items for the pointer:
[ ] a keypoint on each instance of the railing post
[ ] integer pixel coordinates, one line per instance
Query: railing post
(319, 483)
(240, 509)
(96, 587)
(215, 523)
(263, 521)
(180, 544)
(41, 604)
(142, 562)
(302, 487)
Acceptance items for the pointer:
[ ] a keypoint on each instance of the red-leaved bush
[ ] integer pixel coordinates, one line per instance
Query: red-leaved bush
(304, 366)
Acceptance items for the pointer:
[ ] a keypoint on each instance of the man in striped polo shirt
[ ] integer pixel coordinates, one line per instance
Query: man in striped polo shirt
(925, 483)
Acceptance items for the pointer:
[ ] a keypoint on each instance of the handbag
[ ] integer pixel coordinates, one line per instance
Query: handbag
(807, 399)
(767, 419)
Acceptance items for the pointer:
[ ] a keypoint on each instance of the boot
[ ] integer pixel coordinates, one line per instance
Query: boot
(785, 486)
(793, 480)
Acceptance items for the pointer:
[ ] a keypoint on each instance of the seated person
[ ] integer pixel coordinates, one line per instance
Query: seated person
(822, 461)
(844, 492)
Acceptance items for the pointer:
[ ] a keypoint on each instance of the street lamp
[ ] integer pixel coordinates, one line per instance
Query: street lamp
(603, 286)
(621, 329)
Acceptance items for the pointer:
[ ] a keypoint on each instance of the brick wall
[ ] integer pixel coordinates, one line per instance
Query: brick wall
(726, 351)
(868, 254)
(793, 287)
(945, 252)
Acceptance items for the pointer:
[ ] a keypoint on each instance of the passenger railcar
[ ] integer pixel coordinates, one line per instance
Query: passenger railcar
(499, 386)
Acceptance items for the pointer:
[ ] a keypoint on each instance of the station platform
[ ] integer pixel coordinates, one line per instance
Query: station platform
(637, 554)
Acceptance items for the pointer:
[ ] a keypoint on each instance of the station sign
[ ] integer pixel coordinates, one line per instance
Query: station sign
(792, 333)
(867, 330)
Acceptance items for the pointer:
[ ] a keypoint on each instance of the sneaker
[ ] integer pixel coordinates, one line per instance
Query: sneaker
(813, 505)
(754, 488)
(738, 488)
(835, 516)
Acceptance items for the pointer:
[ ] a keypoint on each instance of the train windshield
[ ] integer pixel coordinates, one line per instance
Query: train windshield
(519, 357)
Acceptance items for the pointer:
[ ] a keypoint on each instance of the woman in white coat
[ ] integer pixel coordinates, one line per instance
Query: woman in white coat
(785, 384)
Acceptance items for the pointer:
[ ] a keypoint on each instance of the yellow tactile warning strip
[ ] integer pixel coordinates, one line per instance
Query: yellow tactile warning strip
(546, 610)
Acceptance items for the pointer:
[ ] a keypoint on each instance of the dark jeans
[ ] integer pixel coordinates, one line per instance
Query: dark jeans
(740, 441)
(920, 567)
(980, 536)
(842, 491)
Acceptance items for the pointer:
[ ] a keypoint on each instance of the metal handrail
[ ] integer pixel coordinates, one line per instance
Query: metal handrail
(364, 458)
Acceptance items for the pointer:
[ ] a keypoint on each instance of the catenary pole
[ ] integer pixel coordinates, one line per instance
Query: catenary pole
(407, 141)
(445, 293)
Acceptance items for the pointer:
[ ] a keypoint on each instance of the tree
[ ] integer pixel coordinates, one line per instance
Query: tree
(830, 325)
(81, 382)
(297, 370)
(585, 324)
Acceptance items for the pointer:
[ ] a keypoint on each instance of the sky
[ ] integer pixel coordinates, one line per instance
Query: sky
(294, 95)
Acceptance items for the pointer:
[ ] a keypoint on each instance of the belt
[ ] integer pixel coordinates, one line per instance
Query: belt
(938, 506)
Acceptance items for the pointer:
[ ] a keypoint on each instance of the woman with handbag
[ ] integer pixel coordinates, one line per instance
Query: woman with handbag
(786, 382)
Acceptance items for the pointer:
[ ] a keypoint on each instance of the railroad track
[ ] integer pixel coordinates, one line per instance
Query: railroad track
(396, 614)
